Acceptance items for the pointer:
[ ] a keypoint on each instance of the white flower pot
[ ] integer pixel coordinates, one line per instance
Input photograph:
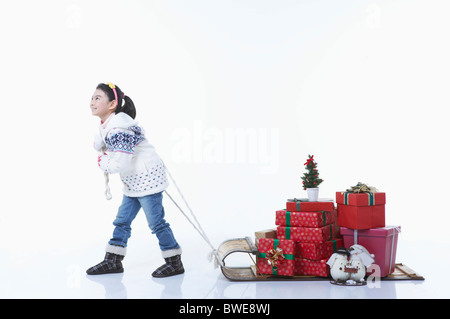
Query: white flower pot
(313, 194)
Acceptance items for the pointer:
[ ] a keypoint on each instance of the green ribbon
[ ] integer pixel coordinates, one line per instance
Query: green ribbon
(275, 270)
(288, 218)
(346, 198)
(287, 232)
(276, 243)
(334, 245)
(371, 198)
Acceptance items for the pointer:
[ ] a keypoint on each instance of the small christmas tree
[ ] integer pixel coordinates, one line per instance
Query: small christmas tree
(311, 177)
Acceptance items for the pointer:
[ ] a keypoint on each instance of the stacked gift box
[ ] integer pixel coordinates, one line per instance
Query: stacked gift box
(307, 234)
(361, 217)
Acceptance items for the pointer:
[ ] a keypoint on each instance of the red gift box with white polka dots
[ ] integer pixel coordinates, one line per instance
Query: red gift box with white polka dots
(304, 219)
(308, 234)
(285, 266)
(317, 251)
(306, 267)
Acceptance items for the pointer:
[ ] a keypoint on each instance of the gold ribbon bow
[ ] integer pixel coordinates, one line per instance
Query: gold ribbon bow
(362, 188)
(275, 257)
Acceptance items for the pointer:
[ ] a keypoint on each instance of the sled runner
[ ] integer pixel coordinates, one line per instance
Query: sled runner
(250, 273)
(243, 245)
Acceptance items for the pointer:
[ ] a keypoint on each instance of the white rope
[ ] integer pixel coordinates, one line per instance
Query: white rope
(106, 176)
(107, 189)
(198, 227)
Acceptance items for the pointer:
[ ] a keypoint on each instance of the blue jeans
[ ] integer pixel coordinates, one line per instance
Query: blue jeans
(154, 211)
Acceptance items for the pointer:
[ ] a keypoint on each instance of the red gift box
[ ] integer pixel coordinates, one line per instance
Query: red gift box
(275, 257)
(382, 242)
(361, 217)
(303, 205)
(305, 219)
(317, 251)
(308, 234)
(361, 199)
(306, 267)
(361, 210)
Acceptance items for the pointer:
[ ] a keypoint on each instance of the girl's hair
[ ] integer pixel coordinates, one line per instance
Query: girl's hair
(127, 107)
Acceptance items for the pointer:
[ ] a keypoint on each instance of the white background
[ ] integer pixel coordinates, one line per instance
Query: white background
(362, 85)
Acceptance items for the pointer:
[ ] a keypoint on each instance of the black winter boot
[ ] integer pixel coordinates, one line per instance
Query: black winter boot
(112, 264)
(173, 266)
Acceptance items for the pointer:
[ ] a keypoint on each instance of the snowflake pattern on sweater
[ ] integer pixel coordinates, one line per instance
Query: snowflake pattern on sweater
(153, 179)
(123, 141)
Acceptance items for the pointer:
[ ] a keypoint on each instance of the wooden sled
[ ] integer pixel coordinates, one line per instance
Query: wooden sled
(250, 273)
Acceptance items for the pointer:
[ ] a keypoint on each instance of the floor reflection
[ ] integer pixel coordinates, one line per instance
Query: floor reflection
(223, 288)
(112, 283)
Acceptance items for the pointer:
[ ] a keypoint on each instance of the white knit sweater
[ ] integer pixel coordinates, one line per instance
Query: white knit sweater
(125, 150)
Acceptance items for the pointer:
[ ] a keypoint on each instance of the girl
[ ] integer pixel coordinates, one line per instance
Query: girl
(125, 150)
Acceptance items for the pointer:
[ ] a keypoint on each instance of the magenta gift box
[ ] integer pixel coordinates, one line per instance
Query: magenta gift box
(381, 241)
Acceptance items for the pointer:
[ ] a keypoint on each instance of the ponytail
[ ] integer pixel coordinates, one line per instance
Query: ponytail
(115, 93)
(127, 107)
